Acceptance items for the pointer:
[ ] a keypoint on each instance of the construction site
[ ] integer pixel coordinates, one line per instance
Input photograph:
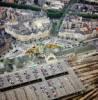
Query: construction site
(48, 50)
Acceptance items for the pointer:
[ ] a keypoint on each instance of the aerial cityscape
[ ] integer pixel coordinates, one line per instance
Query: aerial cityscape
(48, 49)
